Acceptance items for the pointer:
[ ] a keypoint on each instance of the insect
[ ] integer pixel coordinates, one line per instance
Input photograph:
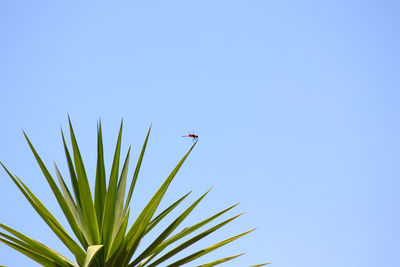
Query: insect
(194, 136)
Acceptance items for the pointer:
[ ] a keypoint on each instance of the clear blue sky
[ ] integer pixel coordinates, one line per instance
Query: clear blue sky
(296, 103)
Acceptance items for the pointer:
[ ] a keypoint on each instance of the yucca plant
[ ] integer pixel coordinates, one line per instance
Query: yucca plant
(100, 221)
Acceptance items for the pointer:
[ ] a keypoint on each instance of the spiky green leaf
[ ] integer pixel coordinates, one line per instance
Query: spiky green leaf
(214, 263)
(206, 250)
(88, 209)
(100, 184)
(164, 213)
(191, 242)
(36, 246)
(136, 173)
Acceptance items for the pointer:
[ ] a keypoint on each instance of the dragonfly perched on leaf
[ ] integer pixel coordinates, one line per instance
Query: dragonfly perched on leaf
(192, 135)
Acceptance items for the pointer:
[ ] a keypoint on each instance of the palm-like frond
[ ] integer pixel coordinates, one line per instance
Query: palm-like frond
(100, 221)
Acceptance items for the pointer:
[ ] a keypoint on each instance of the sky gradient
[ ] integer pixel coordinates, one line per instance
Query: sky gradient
(296, 104)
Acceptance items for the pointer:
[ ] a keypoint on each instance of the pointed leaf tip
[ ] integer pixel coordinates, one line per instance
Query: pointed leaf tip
(91, 252)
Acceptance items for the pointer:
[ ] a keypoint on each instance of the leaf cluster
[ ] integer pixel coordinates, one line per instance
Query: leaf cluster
(99, 221)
